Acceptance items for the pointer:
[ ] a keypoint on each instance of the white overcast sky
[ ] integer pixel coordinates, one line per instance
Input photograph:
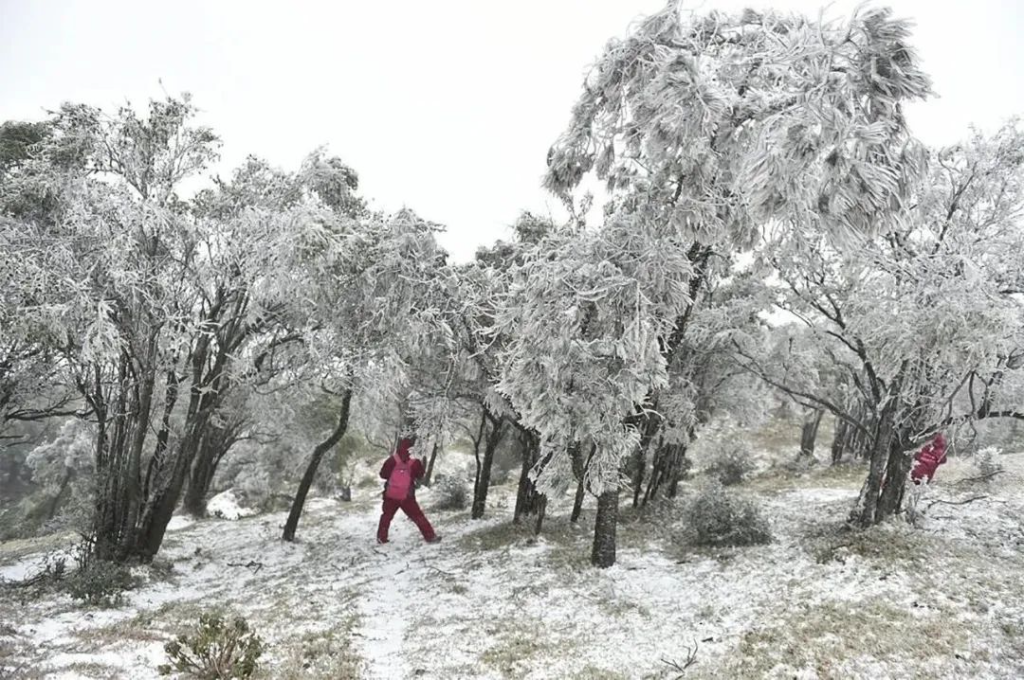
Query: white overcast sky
(447, 107)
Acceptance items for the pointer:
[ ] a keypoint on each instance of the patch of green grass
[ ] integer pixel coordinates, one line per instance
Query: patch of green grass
(890, 544)
(592, 672)
(164, 623)
(325, 655)
(822, 637)
(497, 537)
(568, 545)
(93, 670)
(519, 645)
(780, 479)
(1013, 631)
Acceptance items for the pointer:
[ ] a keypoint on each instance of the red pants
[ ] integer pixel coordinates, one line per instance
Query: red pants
(412, 510)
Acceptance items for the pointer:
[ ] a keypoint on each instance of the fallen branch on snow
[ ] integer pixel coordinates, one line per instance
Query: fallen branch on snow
(251, 564)
(691, 658)
(441, 571)
(969, 500)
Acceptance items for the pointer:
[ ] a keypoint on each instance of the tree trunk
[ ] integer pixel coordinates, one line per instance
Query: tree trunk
(541, 510)
(205, 394)
(216, 443)
(527, 497)
(603, 554)
(199, 480)
(314, 462)
(484, 476)
(580, 468)
(429, 474)
(900, 462)
(477, 442)
(839, 440)
(677, 469)
(640, 462)
(809, 433)
(866, 511)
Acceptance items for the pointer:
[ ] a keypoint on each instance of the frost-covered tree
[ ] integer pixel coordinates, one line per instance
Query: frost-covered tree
(704, 128)
(165, 307)
(922, 321)
(375, 316)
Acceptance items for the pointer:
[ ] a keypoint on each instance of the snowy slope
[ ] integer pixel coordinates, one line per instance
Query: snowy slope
(945, 600)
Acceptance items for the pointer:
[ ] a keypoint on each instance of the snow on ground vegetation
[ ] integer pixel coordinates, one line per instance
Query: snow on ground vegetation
(942, 599)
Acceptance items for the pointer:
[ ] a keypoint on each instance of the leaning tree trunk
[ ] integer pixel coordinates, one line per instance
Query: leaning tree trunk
(201, 477)
(122, 426)
(484, 473)
(314, 462)
(429, 475)
(603, 553)
(809, 433)
(206, 393)
(579, 468)
(215, 445)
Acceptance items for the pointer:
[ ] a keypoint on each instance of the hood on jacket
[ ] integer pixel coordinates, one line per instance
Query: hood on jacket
(404, 447)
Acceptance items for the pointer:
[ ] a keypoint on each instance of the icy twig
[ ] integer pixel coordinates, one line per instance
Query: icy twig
(691, 658)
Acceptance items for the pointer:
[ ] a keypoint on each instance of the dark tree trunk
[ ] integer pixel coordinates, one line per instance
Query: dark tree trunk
(527, 496)
(199, 480)
(122, 424)
(580, 468)
(205, 394)
(900, 462)
(314, 462)
(809, 433)
(640, 462)
(483, 481)
(478, 441)
(541, 510)
(165, 498)
(839, 440)
(429, 474)
(677, 468)
(866, 512)
(603, 553)
(215, 444)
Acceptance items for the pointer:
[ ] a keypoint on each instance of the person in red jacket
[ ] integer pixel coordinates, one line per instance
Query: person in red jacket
(401, 471)
(928, 460)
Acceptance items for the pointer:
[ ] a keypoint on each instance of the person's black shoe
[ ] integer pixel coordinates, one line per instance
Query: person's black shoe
(435, 539)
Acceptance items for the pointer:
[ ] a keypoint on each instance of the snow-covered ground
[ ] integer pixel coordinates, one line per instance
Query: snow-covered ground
(943, 600)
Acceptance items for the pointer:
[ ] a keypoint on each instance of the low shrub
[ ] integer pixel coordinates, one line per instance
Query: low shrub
(730, 465)
(718, 518)
(450, 494)
(100, 583)
(215, 650)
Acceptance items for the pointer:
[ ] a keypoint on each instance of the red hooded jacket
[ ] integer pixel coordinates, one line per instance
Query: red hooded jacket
(416, 468)
(928, 459)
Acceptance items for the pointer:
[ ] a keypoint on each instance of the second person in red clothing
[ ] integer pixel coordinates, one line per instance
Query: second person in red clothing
(400, 472)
